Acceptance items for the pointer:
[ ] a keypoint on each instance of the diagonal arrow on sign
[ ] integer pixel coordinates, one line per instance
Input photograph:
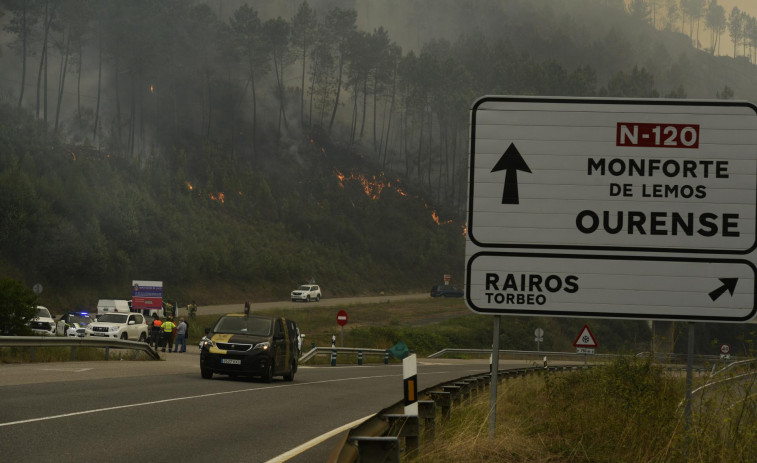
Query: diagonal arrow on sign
(729, 284)
(511, 162)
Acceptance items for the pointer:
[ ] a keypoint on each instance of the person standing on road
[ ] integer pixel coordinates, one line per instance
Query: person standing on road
(155, 331)
(192, 309)
(247, 308)
(169, 327)
(181, 336)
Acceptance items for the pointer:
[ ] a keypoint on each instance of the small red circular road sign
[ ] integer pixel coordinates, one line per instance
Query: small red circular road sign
(341, 318)
(725, 349)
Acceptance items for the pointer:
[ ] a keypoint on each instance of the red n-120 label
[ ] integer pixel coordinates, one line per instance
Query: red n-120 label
(657, 135)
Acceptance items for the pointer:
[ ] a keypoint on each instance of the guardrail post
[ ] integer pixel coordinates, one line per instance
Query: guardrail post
(406, 426)
(31, 354)
(454, 393)
(427, 412)
(73, 353)
(386, 358)
(443, 400)
(107, 353)
(378, 449)
(333, 358)
(360, 357)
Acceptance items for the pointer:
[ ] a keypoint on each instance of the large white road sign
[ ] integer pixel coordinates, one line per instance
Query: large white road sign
(650, 205)
(658, 175)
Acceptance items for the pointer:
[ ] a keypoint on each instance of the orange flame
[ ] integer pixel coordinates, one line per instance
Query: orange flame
(436, 219)
(189, 185)
(220, 197)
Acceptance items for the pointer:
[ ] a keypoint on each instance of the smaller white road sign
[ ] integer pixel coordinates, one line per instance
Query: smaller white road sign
(599, 286)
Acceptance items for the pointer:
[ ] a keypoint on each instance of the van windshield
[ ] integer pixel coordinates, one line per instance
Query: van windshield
(252, 326)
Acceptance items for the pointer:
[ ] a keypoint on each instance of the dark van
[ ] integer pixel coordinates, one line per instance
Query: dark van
(240, 345)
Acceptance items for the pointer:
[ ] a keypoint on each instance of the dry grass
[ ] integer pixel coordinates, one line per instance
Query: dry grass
(625, 412)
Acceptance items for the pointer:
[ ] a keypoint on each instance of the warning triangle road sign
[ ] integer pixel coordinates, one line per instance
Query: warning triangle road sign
(585, 338)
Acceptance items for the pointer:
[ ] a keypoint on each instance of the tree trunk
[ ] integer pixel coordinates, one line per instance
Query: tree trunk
(365, 105)
(62, 81)
(118, 105)
(99, 83)
(23, 56)
(338, 90)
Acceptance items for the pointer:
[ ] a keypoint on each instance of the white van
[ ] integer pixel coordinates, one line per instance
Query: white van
(112, 305)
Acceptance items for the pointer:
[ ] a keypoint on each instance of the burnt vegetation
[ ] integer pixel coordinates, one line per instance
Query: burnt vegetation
(237, 148)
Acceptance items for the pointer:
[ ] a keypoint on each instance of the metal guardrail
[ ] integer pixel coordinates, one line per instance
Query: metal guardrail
(379, 437)
(74, 343)
(517, 353)
(339, 350)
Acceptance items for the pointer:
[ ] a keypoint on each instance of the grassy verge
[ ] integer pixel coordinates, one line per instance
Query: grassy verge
(627, 411)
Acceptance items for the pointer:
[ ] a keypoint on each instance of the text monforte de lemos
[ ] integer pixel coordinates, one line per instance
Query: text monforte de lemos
(689, 172)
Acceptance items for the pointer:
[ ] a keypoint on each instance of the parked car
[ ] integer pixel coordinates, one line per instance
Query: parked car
(43, 323)
(241, 345)
(307, 293)
(128, 326)
(74, 324)
(445, 291)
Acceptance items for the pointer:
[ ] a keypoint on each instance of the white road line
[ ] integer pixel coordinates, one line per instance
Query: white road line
(315, 441)
(176, 399)
(200, 396)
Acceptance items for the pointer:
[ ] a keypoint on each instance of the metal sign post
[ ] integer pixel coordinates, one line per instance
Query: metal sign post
(341, 319)
(493, 382)
(689, 382)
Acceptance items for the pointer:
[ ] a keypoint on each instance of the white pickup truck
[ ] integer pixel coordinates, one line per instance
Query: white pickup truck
(129, 326)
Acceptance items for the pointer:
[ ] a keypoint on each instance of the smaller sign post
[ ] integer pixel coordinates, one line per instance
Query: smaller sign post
(585, 342)
(341, 319)
(725, 352)
(539, 337)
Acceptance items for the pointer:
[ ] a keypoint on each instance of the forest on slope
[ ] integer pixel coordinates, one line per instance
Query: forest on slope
(240, 148)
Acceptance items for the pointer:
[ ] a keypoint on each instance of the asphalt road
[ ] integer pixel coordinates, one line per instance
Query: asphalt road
(163, 411)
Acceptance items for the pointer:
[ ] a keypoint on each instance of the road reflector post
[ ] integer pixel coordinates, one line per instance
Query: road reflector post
(360, 357)
(31, 354)
(410, 384)
(333, 358)
(73, 353)
(107, 353)
(386, 358)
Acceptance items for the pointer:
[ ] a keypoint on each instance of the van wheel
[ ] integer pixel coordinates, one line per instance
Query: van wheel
(124, 336)
(205, 373)
(268, 375)
(318, 298)
(307, 299)
(292, 368)
(142, 337)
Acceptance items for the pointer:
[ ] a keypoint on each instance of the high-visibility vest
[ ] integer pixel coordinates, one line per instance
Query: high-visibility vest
(168, 326)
